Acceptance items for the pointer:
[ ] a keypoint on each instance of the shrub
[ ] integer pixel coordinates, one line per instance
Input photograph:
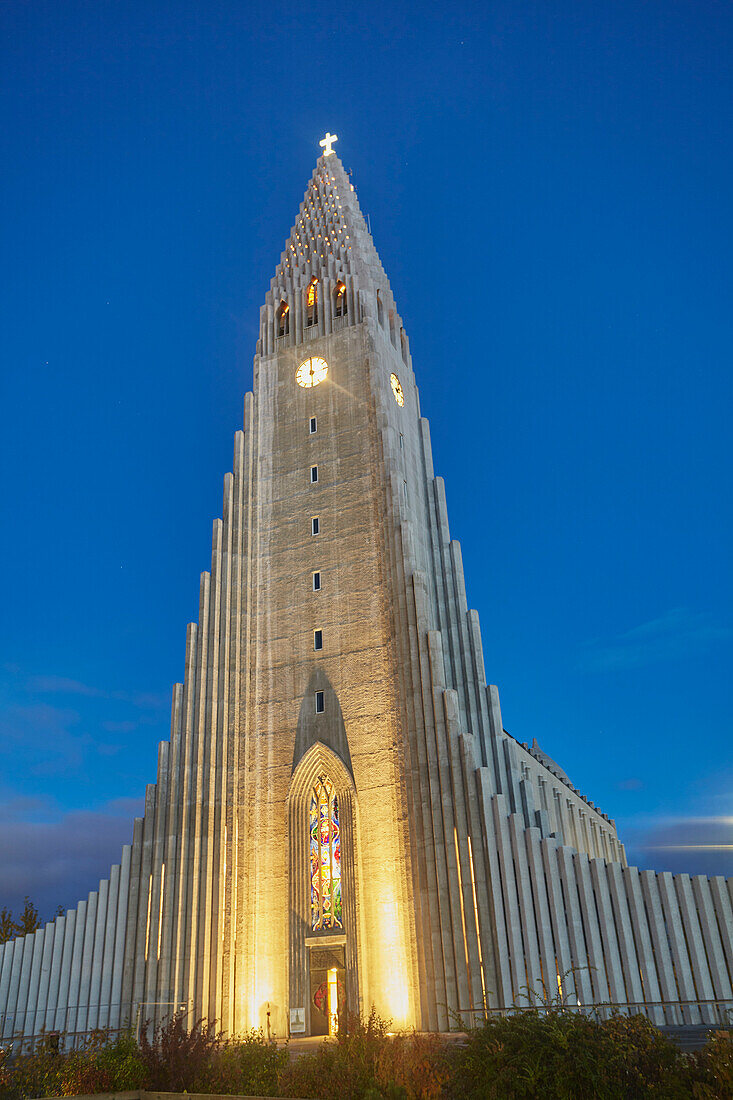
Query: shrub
(202, 1060)
(568, 1056)
(711, 1069)
(101, 1065)
(368, 1063)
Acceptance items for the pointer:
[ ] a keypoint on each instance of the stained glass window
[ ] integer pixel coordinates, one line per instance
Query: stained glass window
(325, 857)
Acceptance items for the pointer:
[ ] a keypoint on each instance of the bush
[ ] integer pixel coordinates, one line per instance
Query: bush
(567, 1056)
(102, 1065)
(368, 1063)
(711, 1069)
(176, 1060)
(545, 1054)
(202, 1060)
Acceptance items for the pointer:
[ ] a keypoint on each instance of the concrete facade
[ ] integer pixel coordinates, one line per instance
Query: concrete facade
(474, 874)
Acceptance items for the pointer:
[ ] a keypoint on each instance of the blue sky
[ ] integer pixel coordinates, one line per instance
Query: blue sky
(548, 186)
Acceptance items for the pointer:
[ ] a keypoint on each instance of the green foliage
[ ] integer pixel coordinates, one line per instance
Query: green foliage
(568, 1056)
(27, 923)
(202, 1060)
(550, 1054)
(711, 1069)
(102, 1065)
(7, 926)
(368, 1063)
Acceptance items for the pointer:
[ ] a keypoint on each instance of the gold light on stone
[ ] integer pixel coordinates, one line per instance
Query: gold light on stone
(311, 372)
(396, 390)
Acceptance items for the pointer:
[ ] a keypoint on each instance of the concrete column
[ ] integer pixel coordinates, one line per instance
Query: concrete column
(501, 994)
(24, 982)
(11, 968)
(62, 1003)
(86, 964)
(724, 915)
(108, 953)
(511, 900)
(576, 937)
(76, 963)
(722, 987)
(627, 947)
(556, 906)
(55, 975)
(117, 1018)
(598, 977)
(660, 941)
(95, 976)
(534, 990)
(35, 978)
(611, 954)
(45, 978)
(542, 913)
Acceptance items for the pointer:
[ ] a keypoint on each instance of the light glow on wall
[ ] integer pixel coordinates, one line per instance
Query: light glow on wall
(393, 981)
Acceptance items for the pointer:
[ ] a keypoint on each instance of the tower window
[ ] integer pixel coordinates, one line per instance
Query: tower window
(314, 474)
(317, 582)
(318, 639)
(325, 857)
(311, 302)
(283, 319)
(339, 305)
(402, 442)
(315, 525)
(313, 425)
(320, 702)
(380, 310)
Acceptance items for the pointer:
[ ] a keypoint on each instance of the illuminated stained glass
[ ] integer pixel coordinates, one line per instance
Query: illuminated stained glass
(325, 857)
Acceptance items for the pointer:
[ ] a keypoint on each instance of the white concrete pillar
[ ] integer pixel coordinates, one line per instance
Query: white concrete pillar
(95, 978)
(722, 986)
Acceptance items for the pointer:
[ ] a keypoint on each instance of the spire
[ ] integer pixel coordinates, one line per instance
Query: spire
(329, 246)
(330, 237)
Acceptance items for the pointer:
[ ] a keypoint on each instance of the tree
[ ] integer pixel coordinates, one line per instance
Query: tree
(28, 921)
(7, 926)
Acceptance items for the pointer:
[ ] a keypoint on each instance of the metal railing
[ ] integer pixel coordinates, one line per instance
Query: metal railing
(707, 1013)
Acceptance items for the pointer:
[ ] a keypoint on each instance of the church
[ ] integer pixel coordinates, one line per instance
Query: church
(339, 819)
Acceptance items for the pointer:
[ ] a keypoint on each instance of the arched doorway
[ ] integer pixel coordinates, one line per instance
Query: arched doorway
(323, 949)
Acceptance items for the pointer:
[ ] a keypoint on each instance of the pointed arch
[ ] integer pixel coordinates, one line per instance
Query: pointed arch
(283, 318)
(319, 762)
(311, 302)
(339, 300)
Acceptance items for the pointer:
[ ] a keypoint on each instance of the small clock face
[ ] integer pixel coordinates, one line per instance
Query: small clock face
(311, 372)
(397, 390)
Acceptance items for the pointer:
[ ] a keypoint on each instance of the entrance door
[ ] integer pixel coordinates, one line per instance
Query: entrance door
(327, 990)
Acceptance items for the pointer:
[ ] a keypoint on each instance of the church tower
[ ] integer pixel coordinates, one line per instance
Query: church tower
(339, 818)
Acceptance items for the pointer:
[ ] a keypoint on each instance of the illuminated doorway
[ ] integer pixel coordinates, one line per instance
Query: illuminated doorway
(327, 990)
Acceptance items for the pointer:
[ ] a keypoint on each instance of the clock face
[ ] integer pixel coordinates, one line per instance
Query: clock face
(397, 390)
(311, 372)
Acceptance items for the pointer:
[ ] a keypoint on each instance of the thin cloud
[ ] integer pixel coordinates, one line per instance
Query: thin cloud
(678, 634)
(62, 685)
(696, 845)
(59, 861)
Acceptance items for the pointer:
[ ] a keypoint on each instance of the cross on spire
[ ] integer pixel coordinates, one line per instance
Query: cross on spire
(327, 143)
